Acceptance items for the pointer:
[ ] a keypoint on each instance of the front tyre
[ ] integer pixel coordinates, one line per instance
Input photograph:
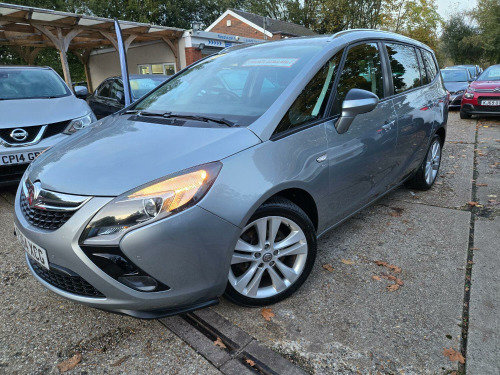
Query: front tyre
(273, 256)
(426, 174)
(464, 115)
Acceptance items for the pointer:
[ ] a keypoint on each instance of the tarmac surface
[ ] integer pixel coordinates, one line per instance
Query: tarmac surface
(435, 288)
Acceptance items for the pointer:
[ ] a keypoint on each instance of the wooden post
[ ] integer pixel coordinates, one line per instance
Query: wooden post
(174, 47)
(61, 42)
(84, 57)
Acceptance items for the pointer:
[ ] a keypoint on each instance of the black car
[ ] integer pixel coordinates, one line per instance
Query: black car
(474, 70)
(109, 98)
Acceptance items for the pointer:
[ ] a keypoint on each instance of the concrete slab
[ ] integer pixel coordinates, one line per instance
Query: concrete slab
(460, 131)
(347, 322)
(453, 188)
(483, 347)
(40, 330)
(488, 155)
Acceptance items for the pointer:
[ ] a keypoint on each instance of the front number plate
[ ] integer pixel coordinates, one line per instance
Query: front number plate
(34, 251)
(20, 158)
(491, 102)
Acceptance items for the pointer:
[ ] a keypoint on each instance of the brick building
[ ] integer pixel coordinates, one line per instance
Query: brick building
(249, 25)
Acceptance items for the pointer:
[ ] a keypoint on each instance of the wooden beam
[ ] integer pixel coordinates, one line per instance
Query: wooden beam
(174, 47)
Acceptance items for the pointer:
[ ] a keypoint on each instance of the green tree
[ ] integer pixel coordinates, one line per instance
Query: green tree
(462, 42)
(487, 15)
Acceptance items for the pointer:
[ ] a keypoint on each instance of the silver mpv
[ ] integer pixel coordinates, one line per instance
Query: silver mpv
(221, 180)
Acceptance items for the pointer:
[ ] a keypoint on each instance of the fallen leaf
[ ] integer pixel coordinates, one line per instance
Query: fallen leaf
(120, 361)
(474, 248)
(481, 184)
(347, 261)
(450, 172)
(473, 204)
(250, 362)
(70, 363)
(453, 355)
(267, 314)
(393, 287)
(392, 267)
(328, 267)
(393, 278)
(396, 211)
(375, 277)
(219, 343)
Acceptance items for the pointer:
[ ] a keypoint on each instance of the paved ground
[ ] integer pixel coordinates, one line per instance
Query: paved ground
(340, 322)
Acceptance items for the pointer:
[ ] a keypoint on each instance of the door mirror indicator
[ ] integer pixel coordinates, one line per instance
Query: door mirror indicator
(356, 102)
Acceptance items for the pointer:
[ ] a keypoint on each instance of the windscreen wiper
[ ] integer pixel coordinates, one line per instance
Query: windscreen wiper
(217, 120)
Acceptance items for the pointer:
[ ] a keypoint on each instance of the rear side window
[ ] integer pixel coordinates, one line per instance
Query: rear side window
(430, 65)
(404, 66)
(311, 102)
(362, 70)
(423, 73)
(104, 90)
(116, 90)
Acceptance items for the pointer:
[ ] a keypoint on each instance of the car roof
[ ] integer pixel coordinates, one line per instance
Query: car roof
(24, 67)
(140, 76)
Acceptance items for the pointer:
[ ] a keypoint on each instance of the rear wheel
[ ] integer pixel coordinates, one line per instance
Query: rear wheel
(464, 116)
(426, 174)
(273, 256)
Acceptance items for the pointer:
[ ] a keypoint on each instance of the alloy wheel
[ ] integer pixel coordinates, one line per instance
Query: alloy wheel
(269, 257)
(432, 162)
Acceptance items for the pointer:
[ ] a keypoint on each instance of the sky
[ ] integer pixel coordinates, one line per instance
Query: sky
(448, 7)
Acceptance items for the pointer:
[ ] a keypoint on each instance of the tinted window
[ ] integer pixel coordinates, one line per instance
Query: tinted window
(104, 90)
(490, 74)
(362, 70)
(31, 83)
(430, 65)
(312, 101)
(423, 73)
(455, 75)
(116, 90)
(404, 66)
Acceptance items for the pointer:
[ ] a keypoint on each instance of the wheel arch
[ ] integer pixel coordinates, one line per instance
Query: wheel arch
(442, 134)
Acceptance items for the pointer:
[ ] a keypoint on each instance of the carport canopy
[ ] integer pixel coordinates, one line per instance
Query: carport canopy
(28, 30)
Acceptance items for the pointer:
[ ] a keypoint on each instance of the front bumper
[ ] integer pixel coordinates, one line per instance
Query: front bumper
(455, 101)
(471, 109)
(190, 252)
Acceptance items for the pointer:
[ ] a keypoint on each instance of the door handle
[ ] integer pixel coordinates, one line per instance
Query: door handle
(388, 125)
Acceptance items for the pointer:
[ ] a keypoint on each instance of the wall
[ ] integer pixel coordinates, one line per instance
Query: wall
(240, 28)
(104, 65)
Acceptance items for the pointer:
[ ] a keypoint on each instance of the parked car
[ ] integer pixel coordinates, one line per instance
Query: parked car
(109, 98)
(483, 95)
(456, 81)
(37, 110)
(222, 179)
(474, 70)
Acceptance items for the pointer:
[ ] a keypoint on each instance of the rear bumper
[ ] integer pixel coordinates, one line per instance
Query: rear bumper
(471, 109)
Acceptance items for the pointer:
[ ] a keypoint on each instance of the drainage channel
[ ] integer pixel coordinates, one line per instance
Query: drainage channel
(470, 258)
(231, 350)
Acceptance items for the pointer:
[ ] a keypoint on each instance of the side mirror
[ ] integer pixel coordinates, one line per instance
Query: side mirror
(356, 102)
(81, 92)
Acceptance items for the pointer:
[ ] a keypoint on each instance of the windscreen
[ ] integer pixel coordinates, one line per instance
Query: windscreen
(31, 84)
(454, 75)
(141, 86)
(238, 86)
(490, 74)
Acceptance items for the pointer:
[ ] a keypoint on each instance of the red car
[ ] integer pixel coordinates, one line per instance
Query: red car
(482, 97)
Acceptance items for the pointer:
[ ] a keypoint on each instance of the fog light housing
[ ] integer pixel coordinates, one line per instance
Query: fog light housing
(142, 283)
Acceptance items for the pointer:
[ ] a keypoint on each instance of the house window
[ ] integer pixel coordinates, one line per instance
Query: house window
(162, 68)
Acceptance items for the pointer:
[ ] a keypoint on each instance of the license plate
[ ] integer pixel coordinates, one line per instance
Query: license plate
(19, 158)
(35, 252)
(491, 102)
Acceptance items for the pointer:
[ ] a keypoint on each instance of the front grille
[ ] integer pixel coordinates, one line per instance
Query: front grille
(487, 108)
(51, 130)
(45, 219)
(65, 279)
(31, 130)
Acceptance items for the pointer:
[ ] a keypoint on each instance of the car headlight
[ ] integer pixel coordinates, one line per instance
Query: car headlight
(80, 123)
(149, 203)
(469, 94)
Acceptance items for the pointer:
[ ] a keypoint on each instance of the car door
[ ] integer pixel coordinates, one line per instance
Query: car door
(116, 100)
(361, 161)
(98, 102)
(413, 103)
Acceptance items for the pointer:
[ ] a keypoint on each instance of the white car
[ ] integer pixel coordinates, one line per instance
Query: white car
(37, 111)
